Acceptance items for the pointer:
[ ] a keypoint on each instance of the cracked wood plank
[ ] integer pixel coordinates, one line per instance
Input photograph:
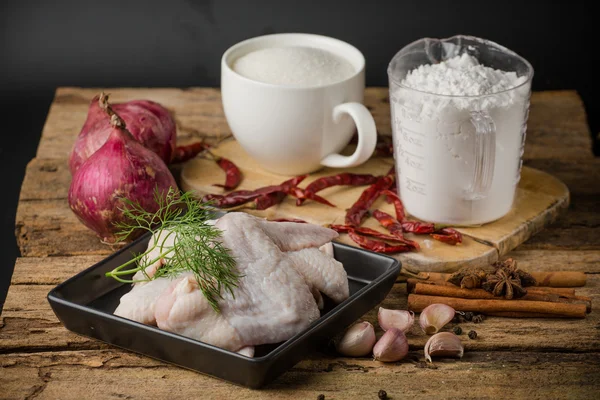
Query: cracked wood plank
(118, 374)
(30, 325)
(50, 270)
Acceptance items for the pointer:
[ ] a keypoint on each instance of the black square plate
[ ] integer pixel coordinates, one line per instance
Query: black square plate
(85, 302)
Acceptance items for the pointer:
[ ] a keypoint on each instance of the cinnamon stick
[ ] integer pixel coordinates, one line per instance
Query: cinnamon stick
(455, 291)
(417, 302)
(560, 278)
(551, 279)
(516, 314)
(411, 282)
(556, 290)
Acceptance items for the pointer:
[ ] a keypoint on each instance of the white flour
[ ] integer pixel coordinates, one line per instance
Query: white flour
(294, 66)
(435, 139)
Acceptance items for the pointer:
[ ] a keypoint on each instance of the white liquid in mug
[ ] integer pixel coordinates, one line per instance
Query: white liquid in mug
(294, 66)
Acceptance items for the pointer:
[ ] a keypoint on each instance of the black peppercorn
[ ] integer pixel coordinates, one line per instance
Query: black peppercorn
(459, 317)
(321, 397)
(478, 318)
(382, 395)
(457, 330)
(469, 316)
(472, 335)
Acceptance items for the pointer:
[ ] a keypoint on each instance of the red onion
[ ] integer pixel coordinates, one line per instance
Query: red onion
(122, 167)
(150, 124)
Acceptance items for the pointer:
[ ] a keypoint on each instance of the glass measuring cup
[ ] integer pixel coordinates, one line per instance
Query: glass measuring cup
(458, 158)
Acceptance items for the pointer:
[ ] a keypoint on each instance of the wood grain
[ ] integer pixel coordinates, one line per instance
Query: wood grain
(511, 358)
(115, 374)
(29, 323)
(50, 270)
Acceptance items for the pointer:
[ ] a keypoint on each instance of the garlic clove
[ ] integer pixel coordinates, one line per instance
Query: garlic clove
(392, 346)
(400, 319)
(443, 344)
(358, 340)
(434, 317)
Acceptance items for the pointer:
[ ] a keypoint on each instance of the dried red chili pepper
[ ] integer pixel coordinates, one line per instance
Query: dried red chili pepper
(283, 187)
(448, 235)
(231, 199)
(384, 148)
(377, 245)
(296, 220)
(388, 222)
(295, 181)
(268, 200)
(418, 227)
(341, 228)
(373, 233)
(300, 195)
(188, 151)
(233, 175)
(343, 179)
(355, 214)
(240, 197)
(398, 206)
(394, 188)
(394, 227)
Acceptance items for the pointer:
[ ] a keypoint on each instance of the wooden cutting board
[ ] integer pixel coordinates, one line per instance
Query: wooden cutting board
(540, 198)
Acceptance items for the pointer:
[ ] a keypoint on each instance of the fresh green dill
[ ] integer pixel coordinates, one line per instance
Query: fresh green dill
(182, 241)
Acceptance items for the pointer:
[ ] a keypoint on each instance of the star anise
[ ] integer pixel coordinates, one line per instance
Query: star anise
(502, 283)
(510, 266)
(468, 277)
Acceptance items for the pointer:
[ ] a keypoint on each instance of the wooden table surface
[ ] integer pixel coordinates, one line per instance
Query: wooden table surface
(511, 358)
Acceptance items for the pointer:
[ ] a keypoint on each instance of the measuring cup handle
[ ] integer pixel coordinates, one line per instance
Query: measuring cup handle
(367, 136)
(485, 155)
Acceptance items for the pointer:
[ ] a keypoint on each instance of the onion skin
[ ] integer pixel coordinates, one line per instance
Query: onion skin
(122, 167)
(148, 122)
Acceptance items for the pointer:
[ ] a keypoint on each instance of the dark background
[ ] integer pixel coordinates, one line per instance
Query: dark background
(45, 44)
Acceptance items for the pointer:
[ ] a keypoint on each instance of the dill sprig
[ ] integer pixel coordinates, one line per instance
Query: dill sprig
(185, 241)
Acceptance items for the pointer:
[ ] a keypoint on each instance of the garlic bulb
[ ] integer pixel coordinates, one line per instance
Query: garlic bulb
(443, 344)
(392, 346)
(358, 340)
(434, 317)
(400, 319)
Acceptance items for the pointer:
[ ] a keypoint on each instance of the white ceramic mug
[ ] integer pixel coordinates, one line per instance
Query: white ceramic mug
(294, 130)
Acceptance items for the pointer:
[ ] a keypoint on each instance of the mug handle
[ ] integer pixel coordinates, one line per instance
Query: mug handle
(485, 155)
(367, 136)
